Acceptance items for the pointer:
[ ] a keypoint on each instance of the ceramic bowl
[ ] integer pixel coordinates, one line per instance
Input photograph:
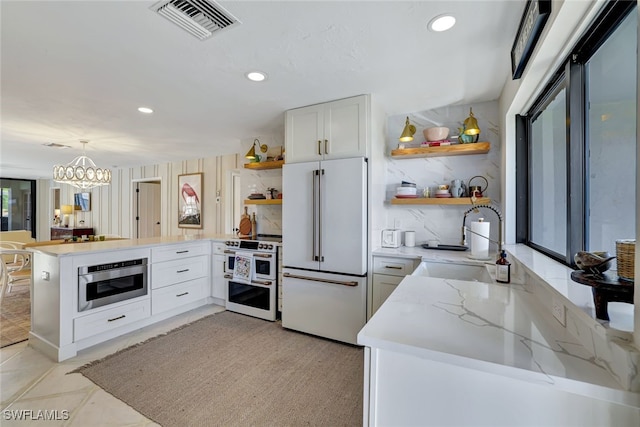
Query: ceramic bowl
(406, 191)
(436, 133)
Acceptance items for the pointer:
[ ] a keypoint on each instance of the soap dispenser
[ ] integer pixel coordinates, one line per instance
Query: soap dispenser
(503, 268)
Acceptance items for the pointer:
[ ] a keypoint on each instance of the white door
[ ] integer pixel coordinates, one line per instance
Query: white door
(148, 209)
(343, 216)
(345, 128)
(300, 234)
(304, 134)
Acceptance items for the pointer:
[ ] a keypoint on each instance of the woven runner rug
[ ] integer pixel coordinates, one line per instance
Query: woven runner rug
(233, 370)
(15, 317)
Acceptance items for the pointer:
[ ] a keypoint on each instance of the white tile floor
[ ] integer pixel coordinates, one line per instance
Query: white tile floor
(30, 381)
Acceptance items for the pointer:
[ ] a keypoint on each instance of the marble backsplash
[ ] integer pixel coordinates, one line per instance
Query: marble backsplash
(268, 217)
(442, 222)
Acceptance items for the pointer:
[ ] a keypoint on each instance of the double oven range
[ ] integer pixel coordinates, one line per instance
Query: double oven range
(260, 297)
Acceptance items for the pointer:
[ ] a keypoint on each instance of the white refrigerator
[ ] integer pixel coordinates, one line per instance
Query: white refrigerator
(324, 235)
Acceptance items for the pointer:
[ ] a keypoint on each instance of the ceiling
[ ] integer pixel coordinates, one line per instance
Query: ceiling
(78, 70)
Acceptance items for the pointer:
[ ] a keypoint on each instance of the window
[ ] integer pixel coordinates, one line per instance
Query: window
(580, 145)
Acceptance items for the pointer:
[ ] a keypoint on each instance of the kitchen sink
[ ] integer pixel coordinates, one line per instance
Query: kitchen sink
(447, 270)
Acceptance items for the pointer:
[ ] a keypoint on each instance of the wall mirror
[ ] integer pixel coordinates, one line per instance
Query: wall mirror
(82, 201)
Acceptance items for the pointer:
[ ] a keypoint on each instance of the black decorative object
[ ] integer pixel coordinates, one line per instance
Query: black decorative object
(607, 288)
(533, 19)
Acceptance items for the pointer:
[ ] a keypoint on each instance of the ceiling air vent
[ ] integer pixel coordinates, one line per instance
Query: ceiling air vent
(201, 18)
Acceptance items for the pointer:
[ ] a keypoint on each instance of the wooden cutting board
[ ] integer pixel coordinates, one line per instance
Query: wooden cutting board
(245, 223)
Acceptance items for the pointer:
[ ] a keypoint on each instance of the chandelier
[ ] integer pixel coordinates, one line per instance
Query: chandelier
(81, 172)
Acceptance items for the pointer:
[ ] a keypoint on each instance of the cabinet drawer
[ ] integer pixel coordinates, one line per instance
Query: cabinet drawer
(177, 271)
(219, 248)
(393, 266)
(94, 324)
(179, 251)
(174, 296)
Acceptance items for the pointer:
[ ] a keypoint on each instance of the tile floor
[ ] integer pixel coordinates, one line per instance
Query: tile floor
(30, 381)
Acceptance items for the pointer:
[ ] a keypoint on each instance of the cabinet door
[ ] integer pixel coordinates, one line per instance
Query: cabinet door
(345, 128)
(383, 286)
(218, 281)
(304, 134)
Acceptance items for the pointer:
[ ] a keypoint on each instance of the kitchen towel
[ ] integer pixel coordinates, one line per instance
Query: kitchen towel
(480, 239)
(243, 267)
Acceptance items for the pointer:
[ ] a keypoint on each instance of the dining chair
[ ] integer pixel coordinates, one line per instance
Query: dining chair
(19, 273)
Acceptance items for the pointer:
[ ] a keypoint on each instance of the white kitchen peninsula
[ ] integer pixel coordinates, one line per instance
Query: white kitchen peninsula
(449, 352)
(179, 279)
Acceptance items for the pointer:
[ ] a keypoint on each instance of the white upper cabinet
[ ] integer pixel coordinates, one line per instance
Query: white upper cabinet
(333, 130)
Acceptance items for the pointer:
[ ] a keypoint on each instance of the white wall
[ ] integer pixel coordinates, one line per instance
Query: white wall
(112, 209)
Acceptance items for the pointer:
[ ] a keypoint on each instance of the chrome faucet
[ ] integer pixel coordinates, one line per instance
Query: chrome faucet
(475, 209)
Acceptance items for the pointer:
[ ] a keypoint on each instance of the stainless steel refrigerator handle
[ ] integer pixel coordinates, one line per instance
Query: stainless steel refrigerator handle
(314, 256)
(320, 217)
(334, 282)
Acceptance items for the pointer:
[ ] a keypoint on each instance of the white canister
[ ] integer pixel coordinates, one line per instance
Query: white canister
(410, 238)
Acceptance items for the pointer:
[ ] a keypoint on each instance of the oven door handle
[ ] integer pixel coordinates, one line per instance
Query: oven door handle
(313, 279)
(262, 255)
(257, 282)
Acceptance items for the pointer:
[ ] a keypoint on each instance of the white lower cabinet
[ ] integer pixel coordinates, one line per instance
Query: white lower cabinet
(218, 283)
(170, 297)
(109, 319)
(388, 272)
(167, 273)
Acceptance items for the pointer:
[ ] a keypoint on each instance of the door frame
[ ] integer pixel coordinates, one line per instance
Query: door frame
(134, 207)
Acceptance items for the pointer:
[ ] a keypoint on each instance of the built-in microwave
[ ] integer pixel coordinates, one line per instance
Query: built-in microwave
(103, 284)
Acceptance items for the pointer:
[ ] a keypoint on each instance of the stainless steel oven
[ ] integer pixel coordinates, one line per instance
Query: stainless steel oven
(259, 297)
(103, 284)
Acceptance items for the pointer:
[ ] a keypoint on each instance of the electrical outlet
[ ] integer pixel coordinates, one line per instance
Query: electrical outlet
(559, 312)
(45, 275)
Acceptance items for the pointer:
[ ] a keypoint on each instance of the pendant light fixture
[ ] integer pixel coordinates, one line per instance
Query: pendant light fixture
(407, 132)
(81, 172)
(471, 124)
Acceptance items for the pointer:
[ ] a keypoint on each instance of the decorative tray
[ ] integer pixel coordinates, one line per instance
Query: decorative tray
(446, 247)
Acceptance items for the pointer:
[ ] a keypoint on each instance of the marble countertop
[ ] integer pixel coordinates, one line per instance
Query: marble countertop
(462, 257)
(64, 249)
(491, 327)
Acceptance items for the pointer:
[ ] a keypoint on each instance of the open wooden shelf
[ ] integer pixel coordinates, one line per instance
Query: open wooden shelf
(447, 150)
(263, 202)
(440, 201)
(276, 164)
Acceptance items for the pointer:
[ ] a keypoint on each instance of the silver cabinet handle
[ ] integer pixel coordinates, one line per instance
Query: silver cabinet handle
(116, 318)
(313, 279)
(319, 148)
(326, 147)
(182, 271)
(391, 266)
(182, 294)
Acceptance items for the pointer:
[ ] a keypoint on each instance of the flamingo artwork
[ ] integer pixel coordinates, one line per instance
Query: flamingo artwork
(190, 210)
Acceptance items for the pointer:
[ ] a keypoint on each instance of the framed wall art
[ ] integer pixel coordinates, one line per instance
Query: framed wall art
(190, 200)
(535, 15)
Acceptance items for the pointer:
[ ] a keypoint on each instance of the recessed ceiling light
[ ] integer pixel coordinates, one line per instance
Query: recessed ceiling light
(145, 110)
(442, 23)
(256, 76)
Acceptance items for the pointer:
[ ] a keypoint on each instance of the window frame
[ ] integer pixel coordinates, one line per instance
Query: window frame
(572, 76)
